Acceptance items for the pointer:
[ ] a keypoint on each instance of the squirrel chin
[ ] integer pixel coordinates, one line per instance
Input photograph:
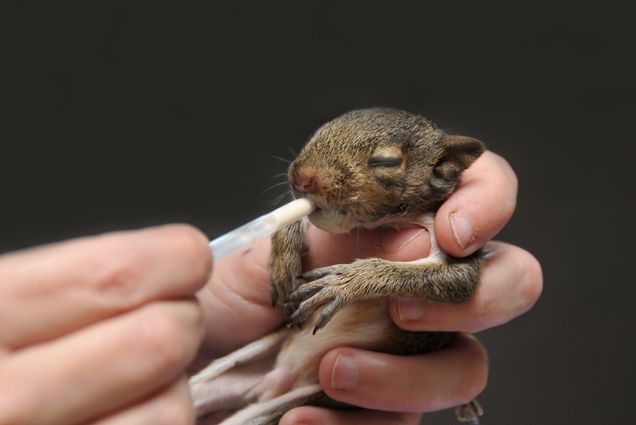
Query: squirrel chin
(332, 222)
(337, 224)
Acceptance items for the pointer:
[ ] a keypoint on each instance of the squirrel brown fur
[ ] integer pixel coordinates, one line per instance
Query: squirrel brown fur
(367, 168)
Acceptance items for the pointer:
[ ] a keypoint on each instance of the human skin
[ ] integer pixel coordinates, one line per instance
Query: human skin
(510, 284)
(101, 329)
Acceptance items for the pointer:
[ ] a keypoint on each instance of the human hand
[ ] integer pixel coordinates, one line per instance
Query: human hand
(510, 285)
(99, 330)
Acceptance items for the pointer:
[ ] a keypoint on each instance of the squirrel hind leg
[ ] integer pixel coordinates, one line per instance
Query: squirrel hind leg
(266, 347)
(225, 393)
(269, 412)
(229, 382)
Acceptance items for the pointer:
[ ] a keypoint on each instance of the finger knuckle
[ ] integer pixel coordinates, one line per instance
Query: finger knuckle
(501, 184)
(513, 180)
(468, 391)
(509, 205)
(159, 337)
(509, 173)
(479, 314)
(407, 418)
(113, 275)
(192, 246)
(299, 416)
(476, 377)
(530, 279)
(505, 204)
(175, 411)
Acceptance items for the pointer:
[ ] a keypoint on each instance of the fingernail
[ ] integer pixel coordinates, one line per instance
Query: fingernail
(344, 374)
(409, 309)
(462, 229)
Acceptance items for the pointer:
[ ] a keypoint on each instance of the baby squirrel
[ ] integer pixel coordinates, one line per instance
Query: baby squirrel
(367, 168)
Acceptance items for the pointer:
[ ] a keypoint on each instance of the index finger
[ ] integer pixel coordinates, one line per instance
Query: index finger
(479, 208)
(52, 290)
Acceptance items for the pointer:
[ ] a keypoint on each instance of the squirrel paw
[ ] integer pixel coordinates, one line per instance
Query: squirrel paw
(331, 287)
(284, 274)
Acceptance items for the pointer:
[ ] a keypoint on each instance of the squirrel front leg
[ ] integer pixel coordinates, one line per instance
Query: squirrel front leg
(285, 262)
(451, 280)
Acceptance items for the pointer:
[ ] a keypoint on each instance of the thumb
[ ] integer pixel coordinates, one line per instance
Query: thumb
(479, 208)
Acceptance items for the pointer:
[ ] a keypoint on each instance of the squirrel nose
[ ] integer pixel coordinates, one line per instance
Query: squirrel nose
(304, 184)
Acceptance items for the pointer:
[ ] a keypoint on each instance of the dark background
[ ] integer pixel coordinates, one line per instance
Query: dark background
(120, 114)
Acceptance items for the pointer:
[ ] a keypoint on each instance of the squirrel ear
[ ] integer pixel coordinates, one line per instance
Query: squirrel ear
(459, 153)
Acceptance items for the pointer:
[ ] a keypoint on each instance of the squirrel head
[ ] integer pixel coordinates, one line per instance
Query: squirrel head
(371, 165)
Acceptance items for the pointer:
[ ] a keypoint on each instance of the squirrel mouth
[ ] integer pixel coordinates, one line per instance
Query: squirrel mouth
(318, 210)
(317, 205)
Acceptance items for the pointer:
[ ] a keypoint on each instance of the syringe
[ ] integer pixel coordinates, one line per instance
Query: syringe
(263, 226)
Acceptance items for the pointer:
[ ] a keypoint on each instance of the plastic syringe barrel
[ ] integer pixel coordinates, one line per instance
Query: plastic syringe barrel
(242, 236)
(263, 226)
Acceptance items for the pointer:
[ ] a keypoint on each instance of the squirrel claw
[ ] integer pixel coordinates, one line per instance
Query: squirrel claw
(318, 273)
(327, 313)
(306, 304)
(273, 293)
(290, 307)
(305, 309)
(280, 289)
(298, 318)
(309, 297)
(305, 292)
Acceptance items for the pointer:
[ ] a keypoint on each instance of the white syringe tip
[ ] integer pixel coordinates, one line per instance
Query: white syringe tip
(292, 211)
